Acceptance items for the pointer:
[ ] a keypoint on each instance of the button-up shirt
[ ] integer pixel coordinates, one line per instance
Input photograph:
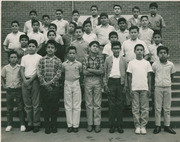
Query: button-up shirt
(115, 72)
(62, 26)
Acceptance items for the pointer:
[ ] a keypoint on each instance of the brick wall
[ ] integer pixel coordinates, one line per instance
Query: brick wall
(20, 11)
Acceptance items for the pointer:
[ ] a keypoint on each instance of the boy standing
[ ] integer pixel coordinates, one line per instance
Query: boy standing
(46, 23)
(11, 81)
(164, 71)
(30, 86)
(135, 20)
(72, 91)
(115, 69)
(75, 17)
(93, 65)
(140, 86)
(49, 73)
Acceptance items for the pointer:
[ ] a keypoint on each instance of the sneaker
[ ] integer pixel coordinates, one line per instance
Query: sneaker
(143, 131)
(138, 130)
(8, 128)
(23, 128)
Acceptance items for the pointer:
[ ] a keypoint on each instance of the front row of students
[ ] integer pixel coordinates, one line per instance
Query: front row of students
(41, 75)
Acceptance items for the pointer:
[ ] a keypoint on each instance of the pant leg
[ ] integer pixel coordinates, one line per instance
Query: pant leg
(10, 106)
(135, 108)
(158, 98)
(128, 95)
(144, 107)
(167, 105)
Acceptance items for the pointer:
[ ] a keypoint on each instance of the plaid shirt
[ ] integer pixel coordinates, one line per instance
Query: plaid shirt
(49, 70)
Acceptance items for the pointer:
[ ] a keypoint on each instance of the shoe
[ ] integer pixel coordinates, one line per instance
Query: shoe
(143, 131)
(70, 129)
(75, 130)
(169, 130)
(8, 128)
(36, 129)
(47, 130)
(89, 128)
(54, 129)
(23, 128)
(157, 129)
(29, 128)
(138, 130)
(120, 129)
(112, 129)
(97, 128)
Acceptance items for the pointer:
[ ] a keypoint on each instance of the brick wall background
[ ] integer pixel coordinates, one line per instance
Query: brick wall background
(19, 10)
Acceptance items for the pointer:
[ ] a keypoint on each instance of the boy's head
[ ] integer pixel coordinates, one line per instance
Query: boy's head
(72, 27)
(144, 21)
(117, 9)
(163, 53)
(23, 39)
(153, 8)
(122, 24)
(78, 32)
(51, 35)
(104, 18)
(51, 47)
(139, 50)
(136, 11)
(94, 47)
(71, 53)
(33, 14)
(53, 27)
(133, 32)
(59, 14)
(46, 19)
(75, 15)
(113, 36)
(35, 25)
(116, 48)
(157, 38)
(13, 57)
(94, 10)
(32, 45)
(15, 26)
(87, 26)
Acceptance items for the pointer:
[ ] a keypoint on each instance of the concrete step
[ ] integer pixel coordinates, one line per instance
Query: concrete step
(175, 86)
(176, 79)
(175, 93)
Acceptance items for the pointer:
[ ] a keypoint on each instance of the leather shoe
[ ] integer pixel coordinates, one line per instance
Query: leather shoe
(70, 129)
(54, 129)
(89, 128)
(120, 129)
(75, 130)
(36, 129)
(157, 129)
(169, 130)
(97, 128)
(112, 129)
(47, 130)
(29, 128)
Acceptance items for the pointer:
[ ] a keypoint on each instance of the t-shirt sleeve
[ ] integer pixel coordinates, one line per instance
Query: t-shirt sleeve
(25, 27)
(3, 72)
(173, 70)
(22, 62)
(129, 68)
(149, 68)
(145, 48)
(154, 67)
(6, 41)
(105, 50)
(162, 22)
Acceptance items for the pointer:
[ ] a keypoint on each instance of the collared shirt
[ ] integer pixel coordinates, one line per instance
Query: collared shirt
(72, 70)
(122, 36)
(134, 22)
(163, 73)
(89, 37)
(114, 22)
(102, 33)
(62, 26)
(12, 40)
(28, 27)
(12, 76)
(115, 72)
(49, 70)
(153, 52)
(67, 39)
(39, 37)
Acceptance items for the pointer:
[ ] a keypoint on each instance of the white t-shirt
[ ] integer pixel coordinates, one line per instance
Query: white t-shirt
(30, 62)
(89, 37)
(139, 70)
(39, 37)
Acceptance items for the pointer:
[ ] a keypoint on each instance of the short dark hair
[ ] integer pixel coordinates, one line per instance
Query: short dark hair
(93, 42)
(115, 43)
(35, 21)
(12, 52)
(157, 32)
(162, 48)
(135, 7)
(52, 24)
(51, 31)
(45, 16)
(138, 45)
(78, 27)
(117, 6)
(52, 42)
(75, 25)
(144, 16)
(153, 4)
(94, 6)
(113, 33)
(71, 48)
(33, 41)
(75, 11)
(33, 11)
(86, 22)
(103, 14)
(59, 10)
(122, 19)
(134, 27)
(23, 36)
(15, 22)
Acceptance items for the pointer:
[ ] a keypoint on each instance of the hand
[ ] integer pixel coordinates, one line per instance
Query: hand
(106, 89)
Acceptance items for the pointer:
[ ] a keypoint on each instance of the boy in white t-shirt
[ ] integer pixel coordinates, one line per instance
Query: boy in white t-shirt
(140, 86)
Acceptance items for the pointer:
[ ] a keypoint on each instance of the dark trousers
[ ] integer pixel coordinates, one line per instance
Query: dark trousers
(50, 105)
(115, 99)
(10, 96)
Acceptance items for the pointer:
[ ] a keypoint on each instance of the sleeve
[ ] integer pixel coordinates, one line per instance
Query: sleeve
(25, 28)
(145, 48)
(40, 72)
(129, 68)
(61, 40)
(58, 73)
(3, 72)
(40, 27)
(163, 23)
(123, 49)
(42, 38)
(105, 72)
(67, 27)
(101, 64)
(173, 70)
(154, 67)
(84, 64)
(23, 62)
(6, 41)
(63, 67)
(105, 50)
(149, 68)
(80, 68)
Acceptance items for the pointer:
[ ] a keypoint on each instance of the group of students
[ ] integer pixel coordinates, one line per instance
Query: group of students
(111, 55)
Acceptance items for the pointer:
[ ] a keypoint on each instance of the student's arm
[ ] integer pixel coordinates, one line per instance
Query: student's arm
(5, 48)
(67, 27)
(81, 73)
(85, 71)
(25, 81)
(106, 89)
(40, 73)
(3, 77)
(130, 81)
(149, 83)
(173, 70)
(6, 43)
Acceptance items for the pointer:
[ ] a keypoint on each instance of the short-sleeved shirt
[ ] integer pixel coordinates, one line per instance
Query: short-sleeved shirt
(139, 70)
(163, 73)
(122, 36)
(30, 63)
(12, 76)
(28, 27)
(12, 40)
(153, 52)
(146, 35)
(89, 37)
(102, 33)
(39, 37)
(62, 26)
(72, 70)
(114, 22)
(134, 22)
(128, 48)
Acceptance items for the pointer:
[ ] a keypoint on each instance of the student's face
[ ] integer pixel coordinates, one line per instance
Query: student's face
(139, 51)
(59, 15)
(71, 27)
(94, 11)
(122, 25)
(94, 48)
(78, 33)
(13, 59)
(144, 22)
(33, 16)
(35, 26)
(24, 42)
(104, 20)
(31, 48)
(117, 10)
(157, 39)
(153, 10)
(113, 38)
(133, 34)
(136, 13)
(88, 28)
(75, 16)
(50, 49)
(71, 55)
(51, 36)
(163, 56)
(46, 21)
(52, 28)
(116, 50)
(15, 27)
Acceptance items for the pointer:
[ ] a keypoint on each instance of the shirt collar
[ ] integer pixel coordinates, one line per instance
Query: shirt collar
(116, 58)
(47, 57)
(14, 66)
(75, 61)
(59, 20)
